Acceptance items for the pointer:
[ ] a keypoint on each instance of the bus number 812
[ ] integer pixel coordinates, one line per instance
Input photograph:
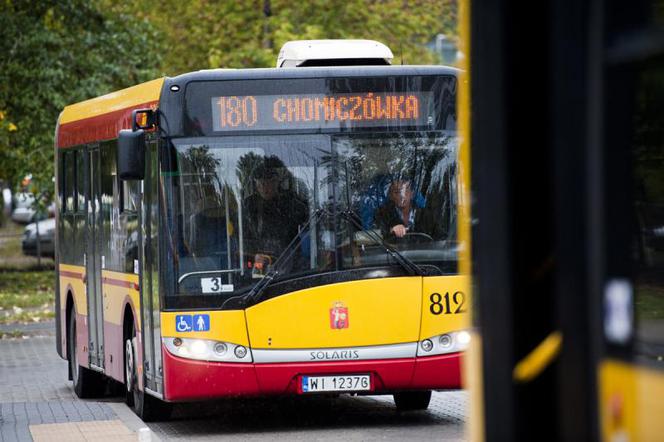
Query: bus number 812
(446, 304)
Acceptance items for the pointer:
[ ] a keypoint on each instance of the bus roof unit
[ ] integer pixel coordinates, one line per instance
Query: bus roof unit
(302, 53)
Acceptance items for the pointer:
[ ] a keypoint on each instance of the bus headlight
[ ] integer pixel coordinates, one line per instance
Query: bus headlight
(207, 350)
(463, 338)
(198, 348)
(452, 342)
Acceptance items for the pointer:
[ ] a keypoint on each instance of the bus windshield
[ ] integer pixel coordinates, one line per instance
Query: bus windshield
(327, 200)
(239, 201)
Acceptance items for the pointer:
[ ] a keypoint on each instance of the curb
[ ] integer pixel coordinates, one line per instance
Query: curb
(130, 419)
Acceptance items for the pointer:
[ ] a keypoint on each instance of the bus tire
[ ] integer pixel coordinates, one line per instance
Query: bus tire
(147, 407)
(412, 400)
(87, 383)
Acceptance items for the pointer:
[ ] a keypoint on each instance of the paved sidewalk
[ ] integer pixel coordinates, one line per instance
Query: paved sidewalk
(97, 431)
(36, 396)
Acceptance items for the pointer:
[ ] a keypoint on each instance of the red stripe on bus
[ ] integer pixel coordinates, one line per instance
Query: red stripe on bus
(98, 128)
(120, 283)
(105, 280)
(75, 275)
(70, 274)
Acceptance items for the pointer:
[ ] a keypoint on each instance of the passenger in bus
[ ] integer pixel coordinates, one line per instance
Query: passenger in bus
(273, 214)
(402, 213)
(211, 231)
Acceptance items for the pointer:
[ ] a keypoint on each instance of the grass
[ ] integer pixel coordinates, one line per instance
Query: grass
(26, 296)
(26, 289)
(28, 316)
(11, 334)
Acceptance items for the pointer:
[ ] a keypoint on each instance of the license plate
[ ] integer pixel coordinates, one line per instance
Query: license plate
(352, 382)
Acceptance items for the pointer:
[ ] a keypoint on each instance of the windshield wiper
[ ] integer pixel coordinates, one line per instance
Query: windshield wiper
(257, 290)
(410, 266)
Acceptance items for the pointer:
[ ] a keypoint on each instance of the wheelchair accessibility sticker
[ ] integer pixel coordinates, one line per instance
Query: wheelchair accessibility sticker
(189, 323)
(183, 323)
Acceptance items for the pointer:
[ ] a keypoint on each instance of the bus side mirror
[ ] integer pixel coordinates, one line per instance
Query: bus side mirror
(131, 154)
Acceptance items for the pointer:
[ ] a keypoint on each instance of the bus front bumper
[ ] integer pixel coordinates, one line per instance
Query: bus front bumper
(191, 380)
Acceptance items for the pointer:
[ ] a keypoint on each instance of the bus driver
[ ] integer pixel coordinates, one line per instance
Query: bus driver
(273, 215)
(400, 214)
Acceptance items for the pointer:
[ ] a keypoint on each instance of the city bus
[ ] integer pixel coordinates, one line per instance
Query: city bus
(256, 232)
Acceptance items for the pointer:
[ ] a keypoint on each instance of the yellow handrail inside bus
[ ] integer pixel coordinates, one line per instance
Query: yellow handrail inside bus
(537, 360)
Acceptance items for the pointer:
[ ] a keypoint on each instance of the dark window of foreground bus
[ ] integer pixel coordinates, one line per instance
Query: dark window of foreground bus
(648, 164)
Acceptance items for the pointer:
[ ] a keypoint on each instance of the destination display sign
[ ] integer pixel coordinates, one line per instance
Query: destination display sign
(320, 111)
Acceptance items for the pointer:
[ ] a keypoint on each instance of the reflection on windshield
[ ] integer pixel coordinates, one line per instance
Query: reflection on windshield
(239, 202)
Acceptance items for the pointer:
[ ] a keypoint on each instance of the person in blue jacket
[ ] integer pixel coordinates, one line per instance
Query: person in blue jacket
(377, 195)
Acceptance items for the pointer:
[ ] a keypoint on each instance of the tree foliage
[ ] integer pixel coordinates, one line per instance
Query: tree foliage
(54, 53)
(204, 34)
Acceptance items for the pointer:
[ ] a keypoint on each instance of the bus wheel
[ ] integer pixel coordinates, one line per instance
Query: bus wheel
(147, 407)
(412, 400)
(87, 383)
(130, 379)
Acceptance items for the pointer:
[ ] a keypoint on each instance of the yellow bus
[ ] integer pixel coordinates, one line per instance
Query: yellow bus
(264, 232)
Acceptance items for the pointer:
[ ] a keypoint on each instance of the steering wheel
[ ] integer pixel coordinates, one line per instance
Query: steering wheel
(419, 235)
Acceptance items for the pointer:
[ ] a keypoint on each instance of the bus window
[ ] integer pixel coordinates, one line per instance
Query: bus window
(404, 190)
(61, 181)
(80, 181)
(129, 192)
(128, 225)
(69, 180)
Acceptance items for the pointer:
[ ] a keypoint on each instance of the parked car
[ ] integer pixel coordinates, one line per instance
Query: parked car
(46, 238)
(23, 212)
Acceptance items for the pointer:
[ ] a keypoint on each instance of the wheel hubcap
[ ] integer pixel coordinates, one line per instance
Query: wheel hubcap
(129, 365)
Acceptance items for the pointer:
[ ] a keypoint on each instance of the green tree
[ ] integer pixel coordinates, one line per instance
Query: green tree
(204, 34)
(54, 53)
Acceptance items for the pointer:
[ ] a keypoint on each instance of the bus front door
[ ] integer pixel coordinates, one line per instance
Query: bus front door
(93, 259)
(152, 362)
